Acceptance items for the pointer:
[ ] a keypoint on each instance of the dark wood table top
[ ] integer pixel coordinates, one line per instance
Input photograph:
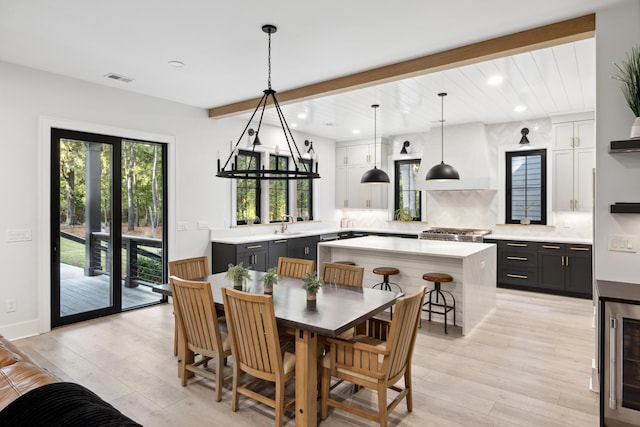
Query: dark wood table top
(336, 310)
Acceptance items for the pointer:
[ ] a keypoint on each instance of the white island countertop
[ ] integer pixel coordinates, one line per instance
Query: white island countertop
(411, 246)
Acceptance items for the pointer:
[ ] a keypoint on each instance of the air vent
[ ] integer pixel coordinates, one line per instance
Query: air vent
(119, 78)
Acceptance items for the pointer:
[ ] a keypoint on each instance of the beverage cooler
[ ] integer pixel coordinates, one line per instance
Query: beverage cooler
(620, 355)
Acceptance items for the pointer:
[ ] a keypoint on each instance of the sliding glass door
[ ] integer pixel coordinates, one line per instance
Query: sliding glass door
(107, 214)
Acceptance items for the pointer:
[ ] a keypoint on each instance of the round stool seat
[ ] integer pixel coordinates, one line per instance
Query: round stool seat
(437, 277)
(386, 271)
(345, 262)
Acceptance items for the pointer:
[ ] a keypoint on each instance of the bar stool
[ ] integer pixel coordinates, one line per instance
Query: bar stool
(385, 285)
(437, 279)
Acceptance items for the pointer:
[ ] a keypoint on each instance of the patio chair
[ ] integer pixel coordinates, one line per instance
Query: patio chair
(342, 274)
(294, 267)
(377, 361)
(200, 332)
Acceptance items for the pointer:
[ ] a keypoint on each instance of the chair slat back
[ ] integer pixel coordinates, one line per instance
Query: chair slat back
(190, 268)
(342, 274)
(196, 315)
(255, 344)
(294, 267)
(403, 332)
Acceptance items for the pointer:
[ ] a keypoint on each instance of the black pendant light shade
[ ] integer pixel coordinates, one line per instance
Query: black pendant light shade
(301, 170)
(375, 175)
(524, 132)
(442, 171)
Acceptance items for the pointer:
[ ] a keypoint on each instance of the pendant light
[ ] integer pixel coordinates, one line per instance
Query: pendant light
(300, 170)
(375, 175)
(443, 171)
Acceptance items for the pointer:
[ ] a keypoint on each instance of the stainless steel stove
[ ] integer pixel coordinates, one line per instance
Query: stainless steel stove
(454, 234)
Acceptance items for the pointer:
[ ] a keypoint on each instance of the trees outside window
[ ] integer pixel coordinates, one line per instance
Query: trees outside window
(247, 189)
(408, 200)
(304, 195)
(278, 189)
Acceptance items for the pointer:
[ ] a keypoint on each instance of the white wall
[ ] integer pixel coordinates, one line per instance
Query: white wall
(617, 175)
(31, 100)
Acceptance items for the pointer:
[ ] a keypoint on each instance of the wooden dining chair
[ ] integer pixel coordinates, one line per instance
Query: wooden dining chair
(376, 361)
(190, 269)
(295, 267)
(256, 351)
(200, 332)
(342, 274)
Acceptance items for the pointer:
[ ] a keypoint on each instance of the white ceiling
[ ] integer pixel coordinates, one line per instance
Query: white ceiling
(224, 51)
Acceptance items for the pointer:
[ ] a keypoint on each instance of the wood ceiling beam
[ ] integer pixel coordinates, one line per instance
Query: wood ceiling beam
(536, 38)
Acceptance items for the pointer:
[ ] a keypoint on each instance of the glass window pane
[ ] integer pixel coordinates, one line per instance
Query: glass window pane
(407, 198)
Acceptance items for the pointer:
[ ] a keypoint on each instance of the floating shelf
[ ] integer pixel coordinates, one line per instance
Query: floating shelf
(625, 146)
(620, 207)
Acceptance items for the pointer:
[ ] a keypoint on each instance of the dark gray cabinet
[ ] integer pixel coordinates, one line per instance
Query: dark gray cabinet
(566, 267)
(253, 255)
(551, 267)
(517, 263)
(277, 248)
(304, 247)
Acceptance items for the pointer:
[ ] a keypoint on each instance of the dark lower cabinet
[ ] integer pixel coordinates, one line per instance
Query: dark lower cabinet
(552, 268)
(277, 249)
(253, 255)
(304, 248)
(517, 264)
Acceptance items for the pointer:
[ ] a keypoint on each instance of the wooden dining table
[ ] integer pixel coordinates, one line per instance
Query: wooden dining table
(337, 309)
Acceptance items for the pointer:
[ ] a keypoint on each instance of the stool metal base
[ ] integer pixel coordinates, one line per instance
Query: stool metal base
(385, 285)
(444, 305)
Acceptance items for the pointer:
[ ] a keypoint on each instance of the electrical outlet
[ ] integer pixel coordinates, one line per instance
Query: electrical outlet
(11, 305)
(203, 225)
(23, 235)
(182, 226)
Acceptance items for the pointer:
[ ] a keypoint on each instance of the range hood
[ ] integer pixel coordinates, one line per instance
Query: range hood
(465, 148)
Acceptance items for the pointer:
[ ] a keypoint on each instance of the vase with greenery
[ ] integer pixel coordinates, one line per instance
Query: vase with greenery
(525, 220)
(628, 72)
(403, 214)
(269, 279)
(312, 284)
(238, 274)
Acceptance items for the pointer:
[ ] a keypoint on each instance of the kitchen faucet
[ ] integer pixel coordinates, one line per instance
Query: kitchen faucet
(283, 226)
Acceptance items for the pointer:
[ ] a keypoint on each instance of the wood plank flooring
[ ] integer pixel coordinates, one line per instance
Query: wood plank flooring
(527, 364)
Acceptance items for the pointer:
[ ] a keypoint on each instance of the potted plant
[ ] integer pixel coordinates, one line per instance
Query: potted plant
(525, 220)
(269, 279)
(312, 284)
(629, 74)
(403, 214)
(238, 274)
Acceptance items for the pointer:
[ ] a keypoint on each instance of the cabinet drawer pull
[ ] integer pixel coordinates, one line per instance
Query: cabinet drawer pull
(518, 258)
(517, 276)
(254, 247)
(279, 241)
(520, 245)
(579, 249)
(550, 247)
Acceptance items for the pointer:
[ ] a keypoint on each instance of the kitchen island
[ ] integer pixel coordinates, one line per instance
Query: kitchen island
(472, 266)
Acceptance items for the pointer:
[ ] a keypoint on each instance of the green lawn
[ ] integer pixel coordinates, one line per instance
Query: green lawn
(72, 253)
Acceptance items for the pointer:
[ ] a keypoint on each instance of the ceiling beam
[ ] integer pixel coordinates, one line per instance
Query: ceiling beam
(536, 38)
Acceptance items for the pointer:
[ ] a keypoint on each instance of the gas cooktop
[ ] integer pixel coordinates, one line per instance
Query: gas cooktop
(454, 234)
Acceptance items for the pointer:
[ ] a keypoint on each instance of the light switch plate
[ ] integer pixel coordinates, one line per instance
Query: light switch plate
(623, 242)
(23, 235)
(182, 226)
(203, 225)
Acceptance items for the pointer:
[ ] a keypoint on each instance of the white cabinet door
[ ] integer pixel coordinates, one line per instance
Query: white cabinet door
(341, 156)
(583, 162)
(563, 180)
(584, 134)
(563, 136)
(358, 195)
(359, 155)
(341, 188)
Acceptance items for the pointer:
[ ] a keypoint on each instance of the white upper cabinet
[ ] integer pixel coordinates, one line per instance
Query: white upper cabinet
(573, 163)
(352, 161)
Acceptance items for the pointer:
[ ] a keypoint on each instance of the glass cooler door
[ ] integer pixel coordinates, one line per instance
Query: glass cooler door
(631, 363)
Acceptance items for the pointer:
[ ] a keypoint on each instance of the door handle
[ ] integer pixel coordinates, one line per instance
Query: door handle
(550, 247)
(254, 247)
(517, 276)
(518, 258)
(520, 245)
(613, 404)
(579, 249)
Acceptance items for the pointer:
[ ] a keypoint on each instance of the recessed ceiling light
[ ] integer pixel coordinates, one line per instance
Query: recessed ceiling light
(302, 115)
(495, 80)
(355, 131)
(293, 125)
(176, 64)
(520, 108)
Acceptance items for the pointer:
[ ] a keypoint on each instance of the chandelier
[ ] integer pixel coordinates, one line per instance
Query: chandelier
(301, 170)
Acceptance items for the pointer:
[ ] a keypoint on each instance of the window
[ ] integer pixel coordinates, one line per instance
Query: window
(304, 194)
(526, 183)
(408, 200)
(278, 189)
(248, 190)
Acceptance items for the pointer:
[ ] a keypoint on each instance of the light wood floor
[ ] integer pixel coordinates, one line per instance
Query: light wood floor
(527, 364)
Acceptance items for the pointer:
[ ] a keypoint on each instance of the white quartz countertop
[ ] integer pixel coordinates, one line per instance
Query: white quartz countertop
(410, 246)
(555, 239)
(238, 240)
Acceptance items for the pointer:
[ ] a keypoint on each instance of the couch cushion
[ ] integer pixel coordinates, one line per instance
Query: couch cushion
(20, 377)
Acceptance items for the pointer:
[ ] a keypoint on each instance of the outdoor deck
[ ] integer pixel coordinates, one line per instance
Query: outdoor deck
(80, 293)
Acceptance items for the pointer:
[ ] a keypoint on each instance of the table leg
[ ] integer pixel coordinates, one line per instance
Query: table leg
(306, 379)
